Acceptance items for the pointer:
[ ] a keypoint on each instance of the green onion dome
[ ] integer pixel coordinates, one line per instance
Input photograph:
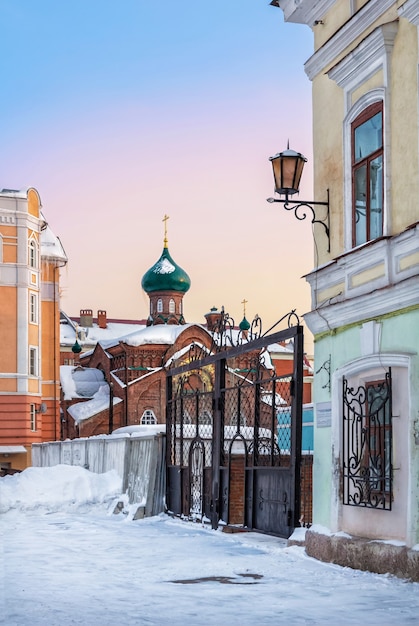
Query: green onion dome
(165, 275)
(244, 324)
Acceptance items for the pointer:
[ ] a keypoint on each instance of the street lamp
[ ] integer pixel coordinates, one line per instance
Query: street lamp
(287, 170)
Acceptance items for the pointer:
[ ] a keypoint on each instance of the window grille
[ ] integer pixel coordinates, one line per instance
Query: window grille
(148, 417)
(367, 444)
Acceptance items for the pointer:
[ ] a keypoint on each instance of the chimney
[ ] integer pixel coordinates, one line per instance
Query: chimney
(86, 318)
(101, 319)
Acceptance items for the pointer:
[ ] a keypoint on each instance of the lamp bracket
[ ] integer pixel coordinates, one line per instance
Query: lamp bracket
(299, 206)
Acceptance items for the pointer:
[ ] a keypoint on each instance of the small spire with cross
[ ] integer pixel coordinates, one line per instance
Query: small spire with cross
(244, 302)
(166, 217)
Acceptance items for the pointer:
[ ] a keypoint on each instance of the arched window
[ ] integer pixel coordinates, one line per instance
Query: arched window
(148, 417)
(172, 307)
(33, 254)
(159, 305)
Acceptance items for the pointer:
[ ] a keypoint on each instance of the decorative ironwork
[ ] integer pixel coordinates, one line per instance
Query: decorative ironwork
(225, 334)
(367, 444)
(327, 368)
(299, 207)
(196, 466)
(239, 434)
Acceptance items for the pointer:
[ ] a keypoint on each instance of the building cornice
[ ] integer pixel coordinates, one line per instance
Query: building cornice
(369, 54)
(373, 306)
(345, 36)
(305, 11)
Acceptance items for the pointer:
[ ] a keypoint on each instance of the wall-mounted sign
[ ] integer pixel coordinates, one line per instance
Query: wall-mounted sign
(323, 414)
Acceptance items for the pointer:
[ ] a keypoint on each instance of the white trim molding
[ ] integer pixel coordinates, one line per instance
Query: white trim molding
(372, 280)
(363, 368)
(410, 11)
(345, 36)
(370, 56)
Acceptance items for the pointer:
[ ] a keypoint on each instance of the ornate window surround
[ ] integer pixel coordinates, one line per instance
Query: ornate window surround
(364, 369)
(370, 56)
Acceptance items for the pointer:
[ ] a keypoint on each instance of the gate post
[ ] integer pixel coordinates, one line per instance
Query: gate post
(218, 440)
(296, 423)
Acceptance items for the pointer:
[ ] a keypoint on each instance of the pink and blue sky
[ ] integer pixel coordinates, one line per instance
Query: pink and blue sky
(121, 112)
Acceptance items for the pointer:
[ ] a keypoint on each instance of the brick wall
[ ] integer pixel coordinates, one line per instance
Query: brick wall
(237, 496)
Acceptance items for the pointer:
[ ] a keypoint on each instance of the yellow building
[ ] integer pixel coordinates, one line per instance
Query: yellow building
(365, 280)
(30, 261)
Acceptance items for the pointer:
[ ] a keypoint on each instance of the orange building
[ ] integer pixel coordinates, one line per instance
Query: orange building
(30, 260)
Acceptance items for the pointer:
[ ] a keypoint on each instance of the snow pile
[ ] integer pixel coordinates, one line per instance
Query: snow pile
(57, 488)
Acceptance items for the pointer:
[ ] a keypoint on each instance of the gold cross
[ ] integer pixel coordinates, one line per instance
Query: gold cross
(166, 217)
(244, 302)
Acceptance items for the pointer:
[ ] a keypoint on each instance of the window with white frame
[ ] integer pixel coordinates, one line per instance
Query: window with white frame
(33, 254)
(367, 174)
(33, 308)
(33, 417)
(172, 308)
(33, 361)
(148, 417)
(159, 305)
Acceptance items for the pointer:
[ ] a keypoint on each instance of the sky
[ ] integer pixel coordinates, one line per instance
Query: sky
(66, 559)
(121, 113)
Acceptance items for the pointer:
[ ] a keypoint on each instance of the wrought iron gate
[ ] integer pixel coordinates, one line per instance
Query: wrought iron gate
(234, 433)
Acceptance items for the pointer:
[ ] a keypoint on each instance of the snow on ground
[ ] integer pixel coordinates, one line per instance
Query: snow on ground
(66, 559)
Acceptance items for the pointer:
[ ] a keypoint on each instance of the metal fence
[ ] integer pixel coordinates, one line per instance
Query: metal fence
(139, 461)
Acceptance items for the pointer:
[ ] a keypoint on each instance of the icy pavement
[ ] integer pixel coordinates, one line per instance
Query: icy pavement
(74, 562)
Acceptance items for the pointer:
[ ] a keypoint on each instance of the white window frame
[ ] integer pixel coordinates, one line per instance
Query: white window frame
(33, 366)
(33, 254)
(33, 424)
(33, 307)
(159, 305)
(148, 418)
(172, 306)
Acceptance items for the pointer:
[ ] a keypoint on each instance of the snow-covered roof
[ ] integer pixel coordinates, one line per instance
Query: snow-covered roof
(51, 246)
(278, 348)
(91, 335)
(80, 382)
(100, 402)
(159, 334)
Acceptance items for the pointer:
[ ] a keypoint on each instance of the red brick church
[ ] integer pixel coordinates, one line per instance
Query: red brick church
(121, 379)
